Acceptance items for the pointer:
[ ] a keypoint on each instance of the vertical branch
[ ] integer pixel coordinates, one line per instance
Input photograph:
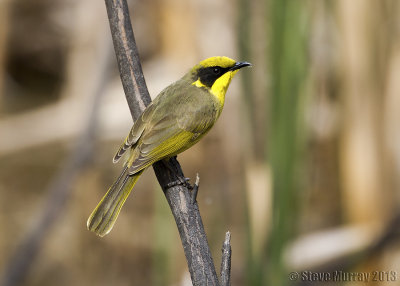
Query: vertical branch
(226, 261)
(190, 226)
(186, 213)
(127, 54)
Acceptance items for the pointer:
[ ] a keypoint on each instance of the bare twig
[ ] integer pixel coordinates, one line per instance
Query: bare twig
(186, 213)
(127, 54)
(195, 188)
(226, 261)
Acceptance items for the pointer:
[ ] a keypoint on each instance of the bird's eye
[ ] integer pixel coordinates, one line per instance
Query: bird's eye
(217, 70)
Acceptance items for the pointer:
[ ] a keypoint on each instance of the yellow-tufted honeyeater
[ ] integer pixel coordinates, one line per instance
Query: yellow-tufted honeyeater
(176, 119)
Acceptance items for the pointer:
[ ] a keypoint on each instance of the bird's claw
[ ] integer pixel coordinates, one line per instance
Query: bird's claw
(180, 181)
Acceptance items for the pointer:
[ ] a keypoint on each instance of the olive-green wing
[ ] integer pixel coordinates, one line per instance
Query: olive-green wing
(135, 133)
(159, 143)
(176, 119)
(168, 137)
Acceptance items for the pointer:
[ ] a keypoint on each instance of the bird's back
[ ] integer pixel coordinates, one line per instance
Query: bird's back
(179, 117)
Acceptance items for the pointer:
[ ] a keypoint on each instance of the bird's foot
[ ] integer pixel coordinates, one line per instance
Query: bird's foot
(180, 181)
(169, 164)
(183, 181)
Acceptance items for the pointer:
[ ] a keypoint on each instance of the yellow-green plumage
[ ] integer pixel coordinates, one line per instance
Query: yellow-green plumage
(177, 119)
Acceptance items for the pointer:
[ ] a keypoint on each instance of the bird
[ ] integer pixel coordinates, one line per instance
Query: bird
(174, 121)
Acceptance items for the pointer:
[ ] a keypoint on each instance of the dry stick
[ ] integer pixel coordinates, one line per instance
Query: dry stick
(226, 261)
(185, 212)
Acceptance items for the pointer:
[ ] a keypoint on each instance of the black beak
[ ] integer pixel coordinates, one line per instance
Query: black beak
(239, 65)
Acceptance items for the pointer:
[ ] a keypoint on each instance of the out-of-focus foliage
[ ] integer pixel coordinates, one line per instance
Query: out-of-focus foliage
(302, 167)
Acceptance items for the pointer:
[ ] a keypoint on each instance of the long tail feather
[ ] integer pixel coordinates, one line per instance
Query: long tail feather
(103, 217)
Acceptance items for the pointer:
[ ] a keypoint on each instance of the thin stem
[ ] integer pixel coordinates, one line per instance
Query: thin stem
(226, 261)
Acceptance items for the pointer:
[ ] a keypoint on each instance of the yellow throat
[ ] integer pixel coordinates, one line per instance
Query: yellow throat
(218, 87)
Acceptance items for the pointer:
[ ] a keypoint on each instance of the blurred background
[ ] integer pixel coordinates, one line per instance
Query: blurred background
(302, 167)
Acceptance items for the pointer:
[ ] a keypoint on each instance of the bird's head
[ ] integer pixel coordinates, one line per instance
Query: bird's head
(215, 74)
